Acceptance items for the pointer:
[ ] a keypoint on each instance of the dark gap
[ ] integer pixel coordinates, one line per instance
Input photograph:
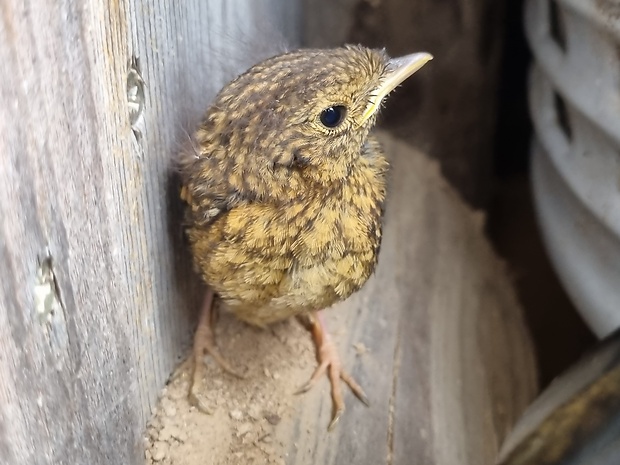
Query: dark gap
(562, 115)
(513, 129)
(491, 20)
(558, 332)
(556, 24)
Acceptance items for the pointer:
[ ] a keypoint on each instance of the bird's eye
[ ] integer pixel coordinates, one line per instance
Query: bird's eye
(333, 116)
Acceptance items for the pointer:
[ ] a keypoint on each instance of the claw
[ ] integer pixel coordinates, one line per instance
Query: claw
(335, 417)
(330, 364)
(356, 388)
(318, 373)
(204, 342)
(197, 402)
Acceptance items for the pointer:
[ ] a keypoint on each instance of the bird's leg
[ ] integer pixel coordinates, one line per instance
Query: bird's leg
(204, 342)
(329, 362)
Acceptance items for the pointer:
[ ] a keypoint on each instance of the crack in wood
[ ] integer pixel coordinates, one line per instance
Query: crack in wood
(395, 372)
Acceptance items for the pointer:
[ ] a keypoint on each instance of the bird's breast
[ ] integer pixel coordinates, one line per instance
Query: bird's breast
(270, 262)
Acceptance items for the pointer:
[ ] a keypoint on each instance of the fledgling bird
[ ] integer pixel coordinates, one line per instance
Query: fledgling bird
(285, 189)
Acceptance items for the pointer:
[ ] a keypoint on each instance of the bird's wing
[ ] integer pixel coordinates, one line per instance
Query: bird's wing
(208, 199)
(213, 183)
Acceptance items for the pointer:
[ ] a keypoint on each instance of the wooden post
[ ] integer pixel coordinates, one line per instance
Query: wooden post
(95, 288)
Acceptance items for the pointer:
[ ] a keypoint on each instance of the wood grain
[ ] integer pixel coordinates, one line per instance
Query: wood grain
(83, 193)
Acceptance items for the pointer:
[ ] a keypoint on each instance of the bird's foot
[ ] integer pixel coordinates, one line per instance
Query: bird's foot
(329, 362)
(204, 343)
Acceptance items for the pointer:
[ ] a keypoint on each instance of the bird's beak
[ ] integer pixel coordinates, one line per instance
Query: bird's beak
(398, 70)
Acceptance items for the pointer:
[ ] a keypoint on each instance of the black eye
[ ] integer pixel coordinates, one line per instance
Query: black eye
(333, 116)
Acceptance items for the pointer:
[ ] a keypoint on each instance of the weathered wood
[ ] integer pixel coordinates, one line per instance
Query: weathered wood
(436, 338)
(90, 222)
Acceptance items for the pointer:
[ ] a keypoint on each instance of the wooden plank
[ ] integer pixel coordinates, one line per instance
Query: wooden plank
(436, 338)
(90, 220)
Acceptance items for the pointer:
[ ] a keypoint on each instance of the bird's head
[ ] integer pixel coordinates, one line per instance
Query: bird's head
(307, 111)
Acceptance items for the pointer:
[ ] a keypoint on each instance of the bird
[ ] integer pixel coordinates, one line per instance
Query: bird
(284, 188)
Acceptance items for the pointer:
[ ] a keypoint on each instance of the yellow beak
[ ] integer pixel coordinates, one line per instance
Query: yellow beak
(399, 69)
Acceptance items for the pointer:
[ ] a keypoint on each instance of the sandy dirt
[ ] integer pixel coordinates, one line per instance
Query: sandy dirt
(246, 412)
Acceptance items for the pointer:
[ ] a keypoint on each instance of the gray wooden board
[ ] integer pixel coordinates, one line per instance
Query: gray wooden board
(79, 372)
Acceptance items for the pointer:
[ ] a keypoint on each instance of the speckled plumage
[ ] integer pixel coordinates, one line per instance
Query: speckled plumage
(284, 214)
(285, 190)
